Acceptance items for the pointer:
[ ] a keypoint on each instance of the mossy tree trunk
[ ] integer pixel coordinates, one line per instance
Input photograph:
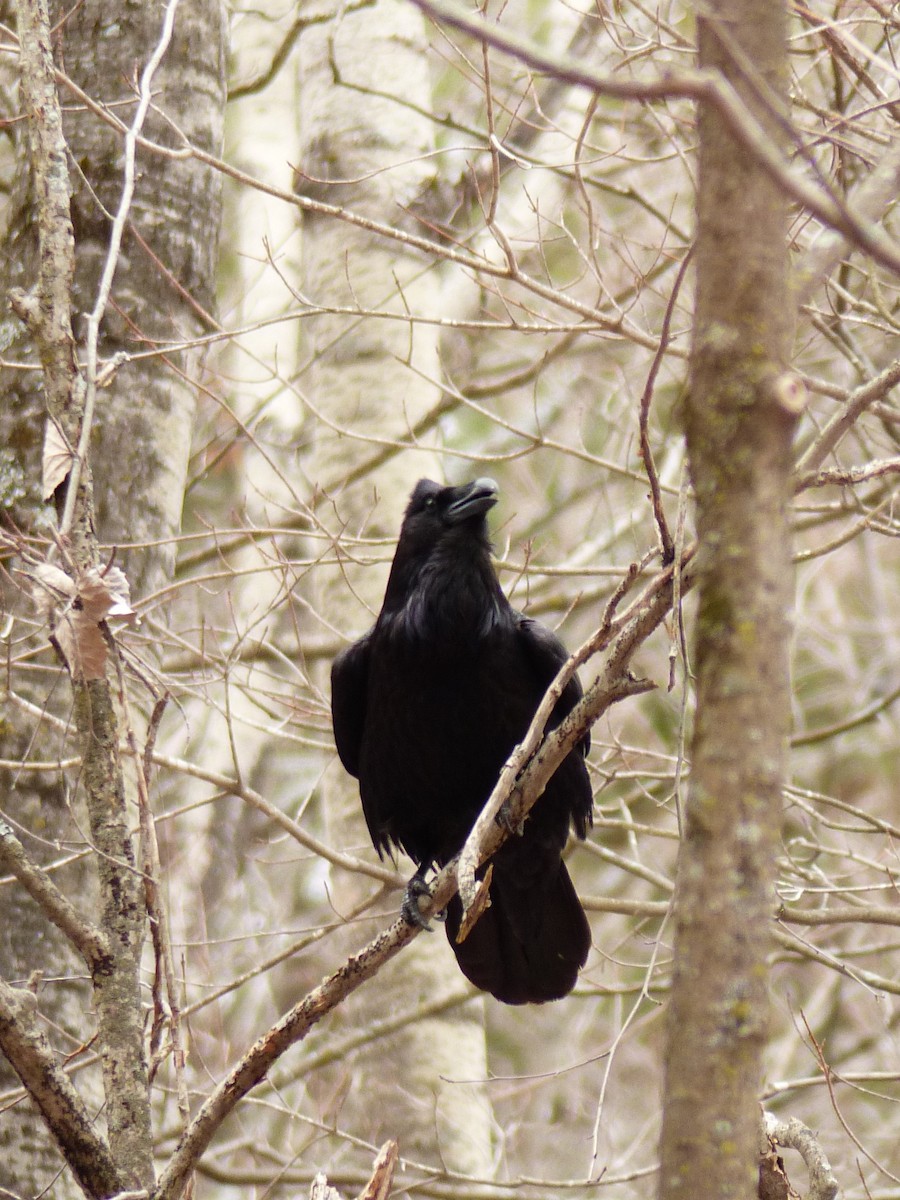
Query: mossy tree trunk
(739, 417)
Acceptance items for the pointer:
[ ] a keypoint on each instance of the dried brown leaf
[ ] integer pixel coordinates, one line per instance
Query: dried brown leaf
(74, 609)
(56, 460)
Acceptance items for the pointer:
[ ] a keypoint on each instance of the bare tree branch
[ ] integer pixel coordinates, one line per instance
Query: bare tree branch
(870, 201)
(291, 1028)
(845, 418)
(536, 758)
(847, 476)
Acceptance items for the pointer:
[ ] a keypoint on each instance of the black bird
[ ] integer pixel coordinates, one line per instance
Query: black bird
(427, 707)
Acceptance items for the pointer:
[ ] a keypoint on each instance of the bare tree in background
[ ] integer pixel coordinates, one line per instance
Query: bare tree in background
(530, 243)
(432, 1092)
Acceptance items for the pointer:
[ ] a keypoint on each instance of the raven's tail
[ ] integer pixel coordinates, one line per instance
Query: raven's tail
(530, 944)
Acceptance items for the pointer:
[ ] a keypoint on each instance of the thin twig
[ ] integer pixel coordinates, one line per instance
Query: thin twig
(667, 546)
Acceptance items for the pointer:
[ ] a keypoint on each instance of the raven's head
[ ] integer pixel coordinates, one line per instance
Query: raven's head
(444, 534)
(433, 509)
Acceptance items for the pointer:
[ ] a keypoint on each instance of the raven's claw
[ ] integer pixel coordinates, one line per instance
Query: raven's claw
(504, 819)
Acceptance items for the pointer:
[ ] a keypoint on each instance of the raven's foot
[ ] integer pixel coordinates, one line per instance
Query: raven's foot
(417, 890)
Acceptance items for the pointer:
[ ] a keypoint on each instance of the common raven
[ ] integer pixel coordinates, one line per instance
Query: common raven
(427, 707)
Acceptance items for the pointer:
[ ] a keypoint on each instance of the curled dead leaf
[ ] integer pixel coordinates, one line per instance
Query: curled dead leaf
(82, 644)
(105, 594)
(120, 591)
(50, 587)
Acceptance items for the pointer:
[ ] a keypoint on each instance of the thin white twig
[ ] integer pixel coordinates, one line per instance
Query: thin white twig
(112, 259)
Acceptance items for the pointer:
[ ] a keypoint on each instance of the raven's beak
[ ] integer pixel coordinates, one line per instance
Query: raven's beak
(472, 500)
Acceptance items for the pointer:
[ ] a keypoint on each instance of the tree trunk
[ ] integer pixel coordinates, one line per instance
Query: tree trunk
(739, 419)
(140, 444)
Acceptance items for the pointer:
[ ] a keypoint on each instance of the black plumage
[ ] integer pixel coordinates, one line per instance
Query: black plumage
(427, 707)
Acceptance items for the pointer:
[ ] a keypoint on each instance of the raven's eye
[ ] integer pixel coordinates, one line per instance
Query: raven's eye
(431, 503)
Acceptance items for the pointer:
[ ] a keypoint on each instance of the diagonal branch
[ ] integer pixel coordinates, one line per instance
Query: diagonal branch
(87, 940)
(702, 85)
(30, 1056)
(522, 790)
(292, 1027)
(870, 201)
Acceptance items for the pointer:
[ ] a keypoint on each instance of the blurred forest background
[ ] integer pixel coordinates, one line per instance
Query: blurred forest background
(361, 247)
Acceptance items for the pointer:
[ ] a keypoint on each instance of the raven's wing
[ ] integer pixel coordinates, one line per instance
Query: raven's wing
(546, 654)
(349, 689)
